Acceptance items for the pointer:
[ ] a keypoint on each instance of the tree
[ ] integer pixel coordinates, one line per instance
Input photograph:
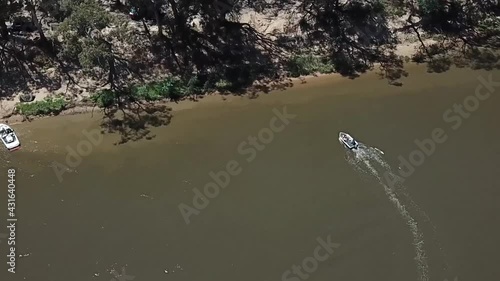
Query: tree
(7, 10)
(466, 32)
(90, 37)
(58, 9)
(354, 34)
(32, 7)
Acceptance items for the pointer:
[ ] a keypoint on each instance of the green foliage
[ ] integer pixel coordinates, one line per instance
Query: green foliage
(429, 6)
(105, 98)
(170, 88)
(308, 64)
(227, 54)
(83, 38)
(193, 86)
(95, 53)
(47, 106)
(149, 92)
(395, 7)
(88, 16)
(59, 9)
(223, 85)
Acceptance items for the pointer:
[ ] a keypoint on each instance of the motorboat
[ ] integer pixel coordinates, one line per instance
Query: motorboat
(348, 141)
(9, 138)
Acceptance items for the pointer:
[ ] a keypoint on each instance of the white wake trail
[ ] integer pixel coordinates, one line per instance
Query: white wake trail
(401, 191)
(361, 160)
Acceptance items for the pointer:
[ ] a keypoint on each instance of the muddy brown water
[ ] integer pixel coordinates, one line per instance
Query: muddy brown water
(119, 208)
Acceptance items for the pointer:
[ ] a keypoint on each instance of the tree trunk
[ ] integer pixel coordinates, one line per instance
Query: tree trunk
(111, 81)
(36, 22)
(146, 29)
(112, 72)
(4, 32)
(179, 22)
(157, 12)
(180, 31)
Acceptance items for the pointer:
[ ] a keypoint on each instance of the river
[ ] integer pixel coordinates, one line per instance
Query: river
(291, 202)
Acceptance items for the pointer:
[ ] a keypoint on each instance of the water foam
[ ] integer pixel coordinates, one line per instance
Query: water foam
(363, 160)
(400, 190)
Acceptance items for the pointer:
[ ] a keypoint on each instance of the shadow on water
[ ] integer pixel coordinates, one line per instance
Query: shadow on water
(134, 121)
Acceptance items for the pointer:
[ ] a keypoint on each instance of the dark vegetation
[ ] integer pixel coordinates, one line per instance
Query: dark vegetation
(44, 107)
(87, 39)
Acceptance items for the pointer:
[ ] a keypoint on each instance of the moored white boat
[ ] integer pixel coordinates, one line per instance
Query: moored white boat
(9, 138)
(348, 141)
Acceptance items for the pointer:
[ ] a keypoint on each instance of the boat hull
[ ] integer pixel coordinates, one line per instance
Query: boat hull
(9, 138)
(348, 141)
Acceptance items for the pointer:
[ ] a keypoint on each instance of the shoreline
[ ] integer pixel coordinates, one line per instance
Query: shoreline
(404, 49)
(186, 103)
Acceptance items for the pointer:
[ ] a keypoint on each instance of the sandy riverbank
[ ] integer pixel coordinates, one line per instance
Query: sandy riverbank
(267, 24)
(7, 106)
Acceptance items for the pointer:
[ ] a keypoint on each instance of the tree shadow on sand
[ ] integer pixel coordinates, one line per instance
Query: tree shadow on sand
(440, 57)
(23, 68)
(226, 53)
(133, 121)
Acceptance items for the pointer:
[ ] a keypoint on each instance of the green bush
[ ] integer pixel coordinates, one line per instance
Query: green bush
(148, 92)
(429, 6)
(105, 98)
(172, 87)
(44, 107)
(223, 85)
(308, 64)
(193, 86)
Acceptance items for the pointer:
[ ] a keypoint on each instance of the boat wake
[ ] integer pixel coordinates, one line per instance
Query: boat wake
(368, 161)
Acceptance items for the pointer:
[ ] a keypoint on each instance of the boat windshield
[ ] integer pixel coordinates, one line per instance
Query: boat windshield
(8, 136)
